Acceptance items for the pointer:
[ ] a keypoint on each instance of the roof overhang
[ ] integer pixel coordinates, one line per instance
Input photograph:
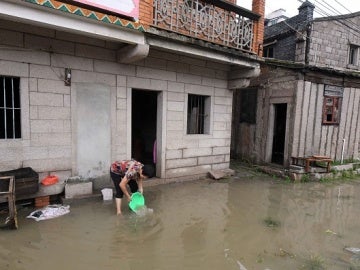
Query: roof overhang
(37, 15)
(203, 51)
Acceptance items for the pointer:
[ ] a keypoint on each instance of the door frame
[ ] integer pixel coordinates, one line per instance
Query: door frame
(270, 130)
(160, 128)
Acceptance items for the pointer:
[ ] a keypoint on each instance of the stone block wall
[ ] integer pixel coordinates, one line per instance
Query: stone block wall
(39, 57)
(330, 40)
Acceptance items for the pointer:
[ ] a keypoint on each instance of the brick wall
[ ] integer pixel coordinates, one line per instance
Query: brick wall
(146, 12)
(258, 6)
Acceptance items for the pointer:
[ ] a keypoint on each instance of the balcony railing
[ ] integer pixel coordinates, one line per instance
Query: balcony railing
(214, 21)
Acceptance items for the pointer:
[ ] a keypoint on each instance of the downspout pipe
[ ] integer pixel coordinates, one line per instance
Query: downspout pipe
(308, 42)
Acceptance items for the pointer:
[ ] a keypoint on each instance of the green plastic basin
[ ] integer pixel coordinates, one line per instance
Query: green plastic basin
(137, 201)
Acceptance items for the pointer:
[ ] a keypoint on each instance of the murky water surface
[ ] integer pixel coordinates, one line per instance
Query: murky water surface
(250, 221)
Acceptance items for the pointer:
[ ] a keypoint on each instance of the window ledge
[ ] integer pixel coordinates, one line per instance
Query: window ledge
(349, 66)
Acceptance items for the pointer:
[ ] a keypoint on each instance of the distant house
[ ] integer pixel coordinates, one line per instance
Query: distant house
(276, 16)
(306, 100)
(84, 83)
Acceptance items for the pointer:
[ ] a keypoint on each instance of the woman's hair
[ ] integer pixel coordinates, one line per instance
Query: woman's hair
(148, 170)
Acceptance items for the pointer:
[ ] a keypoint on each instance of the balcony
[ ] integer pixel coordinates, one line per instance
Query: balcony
(214, 21)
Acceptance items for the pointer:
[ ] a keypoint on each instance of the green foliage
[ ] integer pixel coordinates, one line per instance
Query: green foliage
(287, 179)
(347, 174)
(314, 263)
(305, 178)
(345, 161)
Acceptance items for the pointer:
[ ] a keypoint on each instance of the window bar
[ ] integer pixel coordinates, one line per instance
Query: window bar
(193, 105)
(202, 116)
(4, 107)
(13, 107)
(198, 115)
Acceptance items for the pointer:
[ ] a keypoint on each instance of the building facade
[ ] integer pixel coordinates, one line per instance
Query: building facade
(307, 100)
(84, 84)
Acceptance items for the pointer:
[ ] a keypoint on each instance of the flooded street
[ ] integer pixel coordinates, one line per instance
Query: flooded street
(250, 221)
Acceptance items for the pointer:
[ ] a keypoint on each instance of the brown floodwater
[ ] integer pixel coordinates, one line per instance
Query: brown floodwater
(249, 221)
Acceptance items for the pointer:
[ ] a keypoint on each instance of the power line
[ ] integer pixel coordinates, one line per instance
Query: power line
(354, 28)
(343, 6)
(332, 9)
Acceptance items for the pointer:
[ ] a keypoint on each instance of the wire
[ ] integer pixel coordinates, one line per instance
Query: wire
(338, 20)
(343, 6)
(332, 9)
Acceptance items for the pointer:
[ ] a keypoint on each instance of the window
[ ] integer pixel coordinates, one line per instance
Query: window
(248, 105)
(10, 111)
(269, 52)
(198, 112)
(353, 55)
(332, 104)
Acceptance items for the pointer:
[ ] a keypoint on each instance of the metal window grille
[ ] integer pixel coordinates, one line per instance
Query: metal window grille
(10, 110)
(196, 114)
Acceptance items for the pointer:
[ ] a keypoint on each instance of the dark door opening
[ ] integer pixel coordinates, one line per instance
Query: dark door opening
(143, 124)
(279, 134)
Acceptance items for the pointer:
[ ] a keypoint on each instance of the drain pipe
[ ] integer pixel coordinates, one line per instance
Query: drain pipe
(342, 152)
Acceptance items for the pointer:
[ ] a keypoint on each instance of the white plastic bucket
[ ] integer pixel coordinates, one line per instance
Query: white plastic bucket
(107, 194)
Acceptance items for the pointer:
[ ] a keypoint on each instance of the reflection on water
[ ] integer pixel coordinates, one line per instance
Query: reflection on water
(246, 222)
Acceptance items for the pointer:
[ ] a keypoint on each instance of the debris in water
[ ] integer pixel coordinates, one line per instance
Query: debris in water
(283, 253)
(50, 211)
(242, 267)
(353, 250)
(330, 232)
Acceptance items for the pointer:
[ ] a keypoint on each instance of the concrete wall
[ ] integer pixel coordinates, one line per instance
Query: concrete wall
(254, 141)
(50, 141)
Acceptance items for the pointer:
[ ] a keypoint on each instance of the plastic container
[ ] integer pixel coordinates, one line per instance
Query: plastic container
(107, 194)
(50, 180)
(137, 201)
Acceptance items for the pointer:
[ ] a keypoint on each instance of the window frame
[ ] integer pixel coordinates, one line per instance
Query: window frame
(248, 105)
(266, 51)
(332, 105)
(353, 59)
(15, 108)
(202, 125)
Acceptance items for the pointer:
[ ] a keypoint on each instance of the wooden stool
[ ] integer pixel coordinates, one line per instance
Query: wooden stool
(11, 221)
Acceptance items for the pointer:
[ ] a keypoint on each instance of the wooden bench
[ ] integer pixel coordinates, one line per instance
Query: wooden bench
(307, 161)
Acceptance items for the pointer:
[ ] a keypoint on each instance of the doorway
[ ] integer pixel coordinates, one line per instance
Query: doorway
(143, 126)
(278, 144)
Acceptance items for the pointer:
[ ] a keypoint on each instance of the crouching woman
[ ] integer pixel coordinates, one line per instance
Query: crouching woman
(130, 173)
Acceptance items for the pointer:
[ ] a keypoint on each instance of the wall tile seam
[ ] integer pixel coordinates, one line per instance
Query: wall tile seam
(151, 78)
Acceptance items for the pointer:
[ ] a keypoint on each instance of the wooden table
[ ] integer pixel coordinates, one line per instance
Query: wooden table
(306, 161)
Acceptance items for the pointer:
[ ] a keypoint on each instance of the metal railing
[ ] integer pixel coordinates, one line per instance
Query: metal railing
(214, 21)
